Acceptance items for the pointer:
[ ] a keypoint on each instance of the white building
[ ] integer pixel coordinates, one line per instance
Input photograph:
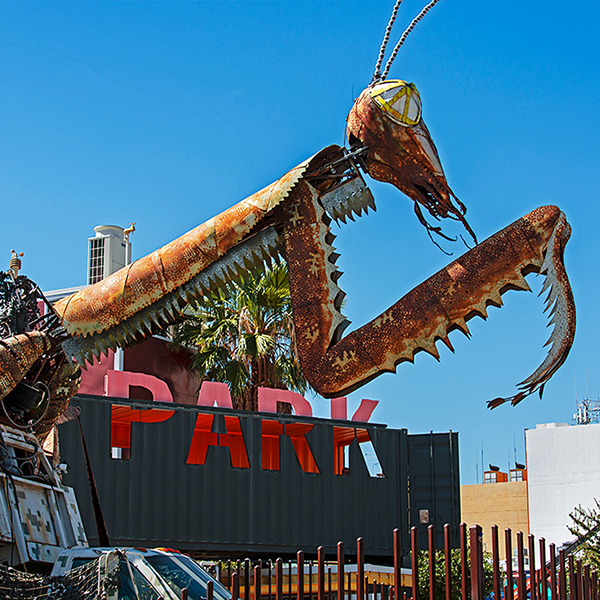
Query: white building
(563, 472)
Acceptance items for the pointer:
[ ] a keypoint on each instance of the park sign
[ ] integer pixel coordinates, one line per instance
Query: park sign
(211, 393)
(216, 480)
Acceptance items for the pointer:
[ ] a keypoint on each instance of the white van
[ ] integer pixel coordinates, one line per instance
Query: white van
(140, 574)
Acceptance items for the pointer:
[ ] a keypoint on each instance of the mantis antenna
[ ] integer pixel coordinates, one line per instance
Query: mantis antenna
(384, 43)
(377, 75)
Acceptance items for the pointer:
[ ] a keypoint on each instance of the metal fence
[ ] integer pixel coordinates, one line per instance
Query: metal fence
(481, 576)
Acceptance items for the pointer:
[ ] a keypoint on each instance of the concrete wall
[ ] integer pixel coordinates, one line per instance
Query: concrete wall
(563, 471)
(502, 504)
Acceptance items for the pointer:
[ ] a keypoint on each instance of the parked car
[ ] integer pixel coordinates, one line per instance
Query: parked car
(141, 574)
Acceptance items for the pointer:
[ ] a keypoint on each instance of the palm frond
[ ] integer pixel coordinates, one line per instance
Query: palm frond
(244, 335)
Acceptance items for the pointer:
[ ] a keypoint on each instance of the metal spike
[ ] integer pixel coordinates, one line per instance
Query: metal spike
(79, 357)
(339, 299)
(449, 345)
(339, 330)
(550, 307)
(108, 346)
(273, 250)
(521, 283)
(146, 322)
(356, 204)
(432, 350)
(268, 261)
(495, 297)
(138, 324)
(124, 332)
(102, 344)
(248, 264)
(239, 268)
(130, 328)
(462, 325)
(165, 318)
(120, 337)
(237, 276)
(336, 275)
(257, 259)
(205, 290)
(215, 282)
(550, 340)
(192, 294)
(172, 310)
(481, 309)
(154, 317)
(280, 243)
(546, 285)
(226, 273)
(333, 257)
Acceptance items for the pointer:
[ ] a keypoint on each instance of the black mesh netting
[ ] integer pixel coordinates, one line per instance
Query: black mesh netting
(77, 584)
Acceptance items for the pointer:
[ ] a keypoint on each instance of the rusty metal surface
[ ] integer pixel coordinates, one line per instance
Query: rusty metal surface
(17, 355)
(33, 366)
(405, 156)
(291, 218)
(390, 140)
(429, 312)
(118, 297)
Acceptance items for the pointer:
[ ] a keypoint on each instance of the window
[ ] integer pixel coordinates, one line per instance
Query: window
(182, 572)
(79, 562)
(134, 586)
(516, 475)
(489, 477)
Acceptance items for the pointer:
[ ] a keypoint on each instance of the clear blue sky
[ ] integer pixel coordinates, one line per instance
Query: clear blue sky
(166, 113)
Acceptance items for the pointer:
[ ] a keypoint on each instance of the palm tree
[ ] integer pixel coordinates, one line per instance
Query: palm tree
(244, 336)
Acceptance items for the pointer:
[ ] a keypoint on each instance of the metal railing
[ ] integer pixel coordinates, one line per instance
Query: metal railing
(480, 576)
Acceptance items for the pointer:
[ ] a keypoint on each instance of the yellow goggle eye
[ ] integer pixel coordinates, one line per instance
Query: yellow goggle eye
(399, 100)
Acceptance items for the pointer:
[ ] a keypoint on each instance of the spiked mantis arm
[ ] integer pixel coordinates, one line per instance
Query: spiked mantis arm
(291, 217)
(389, 140)
(428, 313)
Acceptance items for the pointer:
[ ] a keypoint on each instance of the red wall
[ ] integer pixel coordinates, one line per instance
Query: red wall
(153, 357)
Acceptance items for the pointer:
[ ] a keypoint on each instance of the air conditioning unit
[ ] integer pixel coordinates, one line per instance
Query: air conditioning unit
(109, 251)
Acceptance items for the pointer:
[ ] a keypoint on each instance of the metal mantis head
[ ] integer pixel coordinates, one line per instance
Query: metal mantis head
(387, 119)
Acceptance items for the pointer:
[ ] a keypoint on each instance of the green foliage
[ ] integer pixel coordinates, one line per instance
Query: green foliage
(244, 336)
(455, 574)
(586, 527)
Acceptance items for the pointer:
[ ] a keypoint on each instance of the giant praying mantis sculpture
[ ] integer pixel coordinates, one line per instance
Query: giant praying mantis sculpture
(389, 141)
